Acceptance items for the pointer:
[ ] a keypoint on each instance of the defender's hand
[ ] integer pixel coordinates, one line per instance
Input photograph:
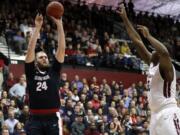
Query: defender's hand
(144, 30)
(39, 20)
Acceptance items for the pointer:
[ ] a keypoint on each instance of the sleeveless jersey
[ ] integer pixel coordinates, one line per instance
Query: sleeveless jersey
(43, 88)
(161, 92)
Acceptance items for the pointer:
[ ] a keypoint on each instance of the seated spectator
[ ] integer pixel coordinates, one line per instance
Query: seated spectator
(126, 53)
(78, 127)
(13, 106)
(112, 129)
(140, 88)
(1, 75)
(108, 58)
(70, 54)
(19, 43)
(125, 50)
(2, 38)
(24, 116)
(133, 116)
(118, 125)
(68, 113)
(10, 81)
(18, 129)
(5, 96)
(127, 99)
(5, 132)
(63, 80)
(75, 96)
(77, 83)
(81, 58)
(17, 91)
(95, 102)
(1, 120)
(11, 122)
(92, 130)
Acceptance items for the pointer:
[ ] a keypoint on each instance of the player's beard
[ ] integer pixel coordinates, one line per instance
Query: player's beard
(43, 67)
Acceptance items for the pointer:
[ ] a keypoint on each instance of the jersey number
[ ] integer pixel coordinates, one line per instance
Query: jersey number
(41, 86)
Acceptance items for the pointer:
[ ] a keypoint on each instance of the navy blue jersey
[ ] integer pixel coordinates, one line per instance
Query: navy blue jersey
(43, 87)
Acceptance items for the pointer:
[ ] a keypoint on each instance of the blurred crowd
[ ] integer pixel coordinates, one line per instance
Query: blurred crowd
(95, 36)
(87, 42)
(88, 107)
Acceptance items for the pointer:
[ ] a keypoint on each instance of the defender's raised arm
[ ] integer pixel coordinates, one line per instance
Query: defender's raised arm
(135, 37)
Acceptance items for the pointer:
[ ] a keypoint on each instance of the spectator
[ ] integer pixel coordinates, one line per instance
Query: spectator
(18, 128)
(95, 102)
(76, 83)
(84, 37)
(92, 130)
(10, 81)
(24, 114)
(75, 96)
(112, 129)
(11, 121)
(1, 120)
(5, 132)
(19, 42)
(63, 79)
(17, 91)
(1, 77)
(78, 126)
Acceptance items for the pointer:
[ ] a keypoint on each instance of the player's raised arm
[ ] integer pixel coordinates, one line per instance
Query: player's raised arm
(30, 56)
(135, 37)
(165, 60)
(60, 53)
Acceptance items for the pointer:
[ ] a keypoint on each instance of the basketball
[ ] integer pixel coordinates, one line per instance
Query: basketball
(55, 9)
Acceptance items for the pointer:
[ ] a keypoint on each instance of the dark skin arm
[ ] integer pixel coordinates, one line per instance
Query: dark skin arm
(135, 37)
(165, 66)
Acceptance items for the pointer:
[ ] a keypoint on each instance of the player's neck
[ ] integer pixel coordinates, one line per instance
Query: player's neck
(42, 70)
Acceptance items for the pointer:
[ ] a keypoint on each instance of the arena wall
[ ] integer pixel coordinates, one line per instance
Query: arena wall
(126, 77)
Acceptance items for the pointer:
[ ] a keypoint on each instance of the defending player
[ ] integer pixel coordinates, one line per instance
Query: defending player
(165, 115)
(42, 83)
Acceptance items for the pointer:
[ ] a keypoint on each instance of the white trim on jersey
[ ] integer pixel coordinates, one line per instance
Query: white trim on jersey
(60, 123)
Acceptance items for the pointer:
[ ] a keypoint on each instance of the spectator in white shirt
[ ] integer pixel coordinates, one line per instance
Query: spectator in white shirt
(11, 121)
(18, 90)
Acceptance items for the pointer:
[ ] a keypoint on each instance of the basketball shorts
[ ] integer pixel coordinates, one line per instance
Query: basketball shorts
(165, 122)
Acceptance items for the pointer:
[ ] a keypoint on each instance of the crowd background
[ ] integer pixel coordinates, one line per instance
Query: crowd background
(95, 36)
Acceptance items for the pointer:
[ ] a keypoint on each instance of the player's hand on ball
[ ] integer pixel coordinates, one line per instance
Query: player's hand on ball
(122, 11)
(144, 30)
(39, 20)
(58, 22)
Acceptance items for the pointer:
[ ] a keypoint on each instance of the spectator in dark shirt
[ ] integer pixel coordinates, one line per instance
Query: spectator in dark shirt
(92, 130)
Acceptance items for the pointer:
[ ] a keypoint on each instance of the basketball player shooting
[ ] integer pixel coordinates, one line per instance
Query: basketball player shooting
(165, 115)
(42, 83)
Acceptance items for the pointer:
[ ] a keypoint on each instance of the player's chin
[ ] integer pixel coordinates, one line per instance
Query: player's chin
(46, 65)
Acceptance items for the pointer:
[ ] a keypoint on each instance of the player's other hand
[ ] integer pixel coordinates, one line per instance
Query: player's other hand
(58, 22)
(122, 11)
(144, 30)
(39, 20)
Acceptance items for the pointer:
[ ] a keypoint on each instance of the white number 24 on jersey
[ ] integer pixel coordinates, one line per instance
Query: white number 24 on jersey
(41, 86)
